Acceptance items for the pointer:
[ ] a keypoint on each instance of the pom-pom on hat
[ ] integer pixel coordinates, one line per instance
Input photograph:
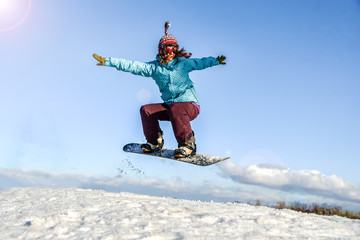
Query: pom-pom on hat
(168, 38)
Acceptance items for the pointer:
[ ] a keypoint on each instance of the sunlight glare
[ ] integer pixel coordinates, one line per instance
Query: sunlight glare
(4, 4)
(13, 13)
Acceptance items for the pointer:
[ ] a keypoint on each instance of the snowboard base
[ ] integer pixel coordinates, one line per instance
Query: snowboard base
(197, 159)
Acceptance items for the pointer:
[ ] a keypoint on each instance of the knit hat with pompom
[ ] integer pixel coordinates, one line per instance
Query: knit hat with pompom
(169, 39)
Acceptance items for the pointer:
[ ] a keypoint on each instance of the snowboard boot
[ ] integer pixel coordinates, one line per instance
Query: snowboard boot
(150, 147)
(186, 149)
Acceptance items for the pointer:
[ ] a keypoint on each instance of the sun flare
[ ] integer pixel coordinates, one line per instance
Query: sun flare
(13, 13)
(4, 4)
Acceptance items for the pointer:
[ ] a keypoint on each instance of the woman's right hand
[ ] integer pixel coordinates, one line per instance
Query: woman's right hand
(100, 59)
(221, 59)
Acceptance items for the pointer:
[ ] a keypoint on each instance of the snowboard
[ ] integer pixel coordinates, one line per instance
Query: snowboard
(197, 159)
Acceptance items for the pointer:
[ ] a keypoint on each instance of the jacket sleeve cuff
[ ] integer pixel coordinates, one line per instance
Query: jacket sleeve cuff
(107, 62)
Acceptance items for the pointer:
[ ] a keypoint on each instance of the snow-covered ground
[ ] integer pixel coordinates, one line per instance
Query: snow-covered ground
(71, 213)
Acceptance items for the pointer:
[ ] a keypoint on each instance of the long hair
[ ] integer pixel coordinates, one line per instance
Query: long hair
(179, 53)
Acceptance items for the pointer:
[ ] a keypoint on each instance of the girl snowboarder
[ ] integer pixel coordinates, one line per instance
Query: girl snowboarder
(170, 71)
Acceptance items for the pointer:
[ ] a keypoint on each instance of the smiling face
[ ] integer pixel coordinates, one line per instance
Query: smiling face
(170, 50)
(168, 53)
(170, 57)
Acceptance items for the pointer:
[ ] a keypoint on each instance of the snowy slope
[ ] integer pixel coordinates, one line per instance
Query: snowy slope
(48, 213)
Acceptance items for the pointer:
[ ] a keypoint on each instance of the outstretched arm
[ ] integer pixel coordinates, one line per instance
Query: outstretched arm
(202, 63)
(134, 67)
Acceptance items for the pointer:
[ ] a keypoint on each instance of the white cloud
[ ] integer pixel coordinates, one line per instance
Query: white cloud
(278, 177)
(10, 178)
(269, 183)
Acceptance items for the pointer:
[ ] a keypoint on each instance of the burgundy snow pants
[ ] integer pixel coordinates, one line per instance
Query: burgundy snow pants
(180, 114)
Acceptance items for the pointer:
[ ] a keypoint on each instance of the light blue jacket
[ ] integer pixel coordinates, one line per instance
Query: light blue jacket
(173, 79)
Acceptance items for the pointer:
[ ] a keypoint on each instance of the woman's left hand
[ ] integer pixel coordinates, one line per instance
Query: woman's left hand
(100, 59)
(221, 59)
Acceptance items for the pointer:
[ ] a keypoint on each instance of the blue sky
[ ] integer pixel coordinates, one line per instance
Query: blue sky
(287, 98)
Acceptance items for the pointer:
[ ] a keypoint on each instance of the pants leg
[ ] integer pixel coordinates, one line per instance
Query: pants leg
(180, 115)
(150, 116)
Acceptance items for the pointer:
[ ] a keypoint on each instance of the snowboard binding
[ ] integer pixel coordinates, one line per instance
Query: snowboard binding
(150, 147)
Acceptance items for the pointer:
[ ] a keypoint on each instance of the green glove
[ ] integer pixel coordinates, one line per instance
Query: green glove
(221, 59)
(100, 59)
